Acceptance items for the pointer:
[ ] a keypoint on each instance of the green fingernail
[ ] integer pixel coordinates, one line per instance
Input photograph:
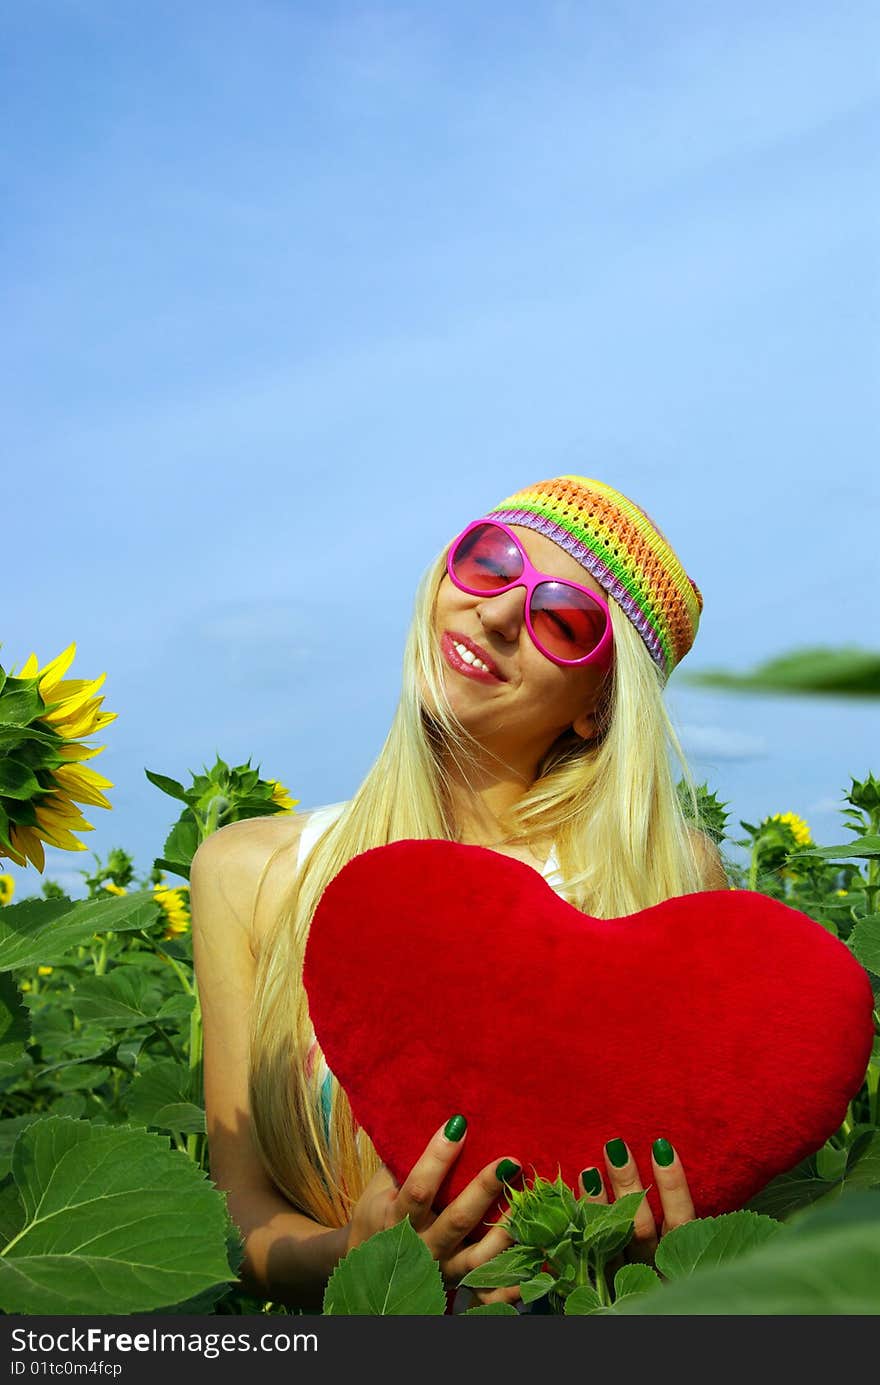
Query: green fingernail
(455, 1127)
(506, 1171)
(663, 1153)
(617, 1152)
(592, 1181)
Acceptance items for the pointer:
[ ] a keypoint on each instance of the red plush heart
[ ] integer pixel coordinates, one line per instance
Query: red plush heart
(444, 978)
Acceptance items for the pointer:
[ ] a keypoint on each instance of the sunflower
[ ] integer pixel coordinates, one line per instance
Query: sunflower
(794, 830)
(281, 796)
(173, 903)
(799, 829)
(47, 715)
(7, 889)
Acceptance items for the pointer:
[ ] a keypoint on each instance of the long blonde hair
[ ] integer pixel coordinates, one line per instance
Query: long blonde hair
(609, 805)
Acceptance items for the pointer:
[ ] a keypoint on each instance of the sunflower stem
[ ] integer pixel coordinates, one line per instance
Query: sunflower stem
(101, 962)
(753, 867)
(175, 966)
(175, 1053)
(193, 1139)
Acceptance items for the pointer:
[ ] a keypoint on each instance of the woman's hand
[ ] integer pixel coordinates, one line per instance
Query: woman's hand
(623, 1176)
(385, 1202)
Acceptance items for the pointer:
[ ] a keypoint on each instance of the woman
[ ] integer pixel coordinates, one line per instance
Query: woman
(531, 721)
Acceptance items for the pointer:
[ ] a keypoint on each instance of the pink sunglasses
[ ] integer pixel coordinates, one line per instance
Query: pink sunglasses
(568, 623)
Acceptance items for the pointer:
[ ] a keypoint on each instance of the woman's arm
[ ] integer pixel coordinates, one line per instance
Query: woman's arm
(288, 1257)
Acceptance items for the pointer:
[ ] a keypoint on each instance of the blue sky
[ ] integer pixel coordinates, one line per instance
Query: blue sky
(287, 282)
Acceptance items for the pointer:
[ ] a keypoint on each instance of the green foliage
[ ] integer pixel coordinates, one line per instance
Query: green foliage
(110, 1220)
(392, 1273)
(563, 1243)
(216, 797)
(848, 671)
(826, 1262)
(711, 1240)
(39, 932)
(711, 816)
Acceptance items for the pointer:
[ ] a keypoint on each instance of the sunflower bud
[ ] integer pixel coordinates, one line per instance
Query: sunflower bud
(866, 794)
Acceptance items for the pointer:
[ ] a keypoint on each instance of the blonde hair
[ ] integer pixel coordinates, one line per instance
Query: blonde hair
(610, 806)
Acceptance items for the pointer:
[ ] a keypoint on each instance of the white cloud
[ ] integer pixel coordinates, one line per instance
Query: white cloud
(720, 743)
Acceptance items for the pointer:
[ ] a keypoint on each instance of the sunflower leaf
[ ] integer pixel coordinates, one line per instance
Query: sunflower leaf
(392, 1273)
(114, 1222)
(39, 932)
(14, 1025)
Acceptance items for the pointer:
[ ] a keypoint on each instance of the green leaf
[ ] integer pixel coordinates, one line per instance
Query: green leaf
(866, 847)
(169, 786)
(159, 1091)
(796, 1188)
(12, 738)
(830, 1162)
(506, 1269)
(14, 1027)
(863, 1162)
(11, 1210)
(825, 1262)
(391, 1274)
(583, 1301)
(494, 1310)
(80, 1077)
(847, 669)
(20, 702)
(9, 1132)
(125, 998)
(17, 780)
(181, 843)
(865, 943)
(114, 1222)
(205, 1301)
(607, 1228)
(635, 1279)
(538, 1287)
(182, 1117)
(710, 1240)
(40, 932)
(177, 1007)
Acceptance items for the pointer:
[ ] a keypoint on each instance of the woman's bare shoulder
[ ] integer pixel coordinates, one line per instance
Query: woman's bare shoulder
(245, 865)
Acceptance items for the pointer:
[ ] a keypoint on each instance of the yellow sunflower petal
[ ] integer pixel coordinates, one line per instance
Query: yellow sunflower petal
(58, 811)
(84, 723)
(10, 851)
(29, 668)
(27, 841)
(82, 784)
(64, 840)
(72, 750)
(72, 697)
(56, 669)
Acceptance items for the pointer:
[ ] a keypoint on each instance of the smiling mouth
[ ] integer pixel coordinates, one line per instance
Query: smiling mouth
(467, 657)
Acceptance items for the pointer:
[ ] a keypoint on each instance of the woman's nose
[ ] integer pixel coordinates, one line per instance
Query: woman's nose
(503, 615)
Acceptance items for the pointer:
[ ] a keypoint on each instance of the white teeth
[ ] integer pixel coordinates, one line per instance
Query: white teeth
(470, 658)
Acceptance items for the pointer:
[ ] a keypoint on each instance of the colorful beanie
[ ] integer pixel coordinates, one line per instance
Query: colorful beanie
(621, 546)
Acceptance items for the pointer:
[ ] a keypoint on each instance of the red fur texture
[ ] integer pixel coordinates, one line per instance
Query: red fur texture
(445, 978)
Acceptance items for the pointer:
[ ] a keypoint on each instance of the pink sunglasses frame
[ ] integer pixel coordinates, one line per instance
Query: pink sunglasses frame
(531, 578)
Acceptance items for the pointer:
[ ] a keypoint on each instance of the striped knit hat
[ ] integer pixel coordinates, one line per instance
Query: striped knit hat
(621, 546)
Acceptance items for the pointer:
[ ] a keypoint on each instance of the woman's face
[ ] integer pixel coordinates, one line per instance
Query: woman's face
(530, 701)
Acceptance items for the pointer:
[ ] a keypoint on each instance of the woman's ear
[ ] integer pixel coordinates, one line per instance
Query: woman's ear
(593, 721)
(585, 725)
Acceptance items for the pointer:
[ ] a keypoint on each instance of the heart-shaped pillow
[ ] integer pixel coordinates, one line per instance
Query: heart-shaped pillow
(444, 978)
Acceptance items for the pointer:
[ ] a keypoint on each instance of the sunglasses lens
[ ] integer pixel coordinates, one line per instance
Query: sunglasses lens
(486, 559)
(567, 622)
